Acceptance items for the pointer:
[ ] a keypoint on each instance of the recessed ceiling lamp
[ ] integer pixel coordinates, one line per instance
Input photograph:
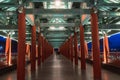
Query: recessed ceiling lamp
(52, 28)
(1, 0)
(118, 14)
(57, 3)
(61, 28)
(56, 28)
(118, 22)
(11, 33)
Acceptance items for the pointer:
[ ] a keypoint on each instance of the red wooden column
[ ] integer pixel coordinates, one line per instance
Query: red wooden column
(86, 49)
(42, 49)
(96, 49)
(36, 51)
(64, 49)
(106, 48)
(82, 45)
(33, 49)
(75, 48)
(67, 49)
(39, 49)
(28, 51)
(21, 45)
(10, 55)
(72, 49)
(46, 49)
(8, 50)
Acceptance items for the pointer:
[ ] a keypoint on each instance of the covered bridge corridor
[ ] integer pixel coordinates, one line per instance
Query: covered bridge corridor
(60, 39)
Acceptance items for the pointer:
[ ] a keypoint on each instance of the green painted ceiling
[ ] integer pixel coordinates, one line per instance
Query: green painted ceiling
(58, 19)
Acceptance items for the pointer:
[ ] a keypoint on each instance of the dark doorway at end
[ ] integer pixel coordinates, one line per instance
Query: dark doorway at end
(57, 51)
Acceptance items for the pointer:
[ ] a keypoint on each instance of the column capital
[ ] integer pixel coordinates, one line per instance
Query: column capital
(94, 10)
(21, 9)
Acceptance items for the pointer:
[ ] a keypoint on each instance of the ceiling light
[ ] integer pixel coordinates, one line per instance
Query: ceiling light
(11, 33)
(52, 28)
(61, 28)
(57, 7)
(57, 3)
(118, 14)
(5, 31)
(1, 0)
(109, 30)
(45, 5)
(118, 22)
(70, 5)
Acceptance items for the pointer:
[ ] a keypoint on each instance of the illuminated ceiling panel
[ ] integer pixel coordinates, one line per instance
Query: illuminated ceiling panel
(60, 28)
(4, 1)
(118, 22)
(104, 8)
(11, 9)
(57, 5)
(112, 1)
(57, 20)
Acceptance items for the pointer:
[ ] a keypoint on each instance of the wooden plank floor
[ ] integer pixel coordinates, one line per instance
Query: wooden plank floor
(58, 67)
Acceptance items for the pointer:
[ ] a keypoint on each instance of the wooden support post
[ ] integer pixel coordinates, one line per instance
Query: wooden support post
(9, 54)
(72, 49)
(86, 50)
(82, 45)
(42, 49)
(75, 48)
(106, 48)
(21, 45)
(39, 49)
(33, 45)
(8, 51)
(96, 49)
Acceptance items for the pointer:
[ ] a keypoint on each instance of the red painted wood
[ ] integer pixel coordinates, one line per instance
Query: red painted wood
(82, 45)
(8, 50)
(106, 48)
(9, 53)
(42, 49)
(72, 48)
(69, 48)
(96, 49)
(75, 48)
(39, 49)
(21, 46)
(45, 50)
(86, 50)
(27, 49)
(66, 49)
(33, 49)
